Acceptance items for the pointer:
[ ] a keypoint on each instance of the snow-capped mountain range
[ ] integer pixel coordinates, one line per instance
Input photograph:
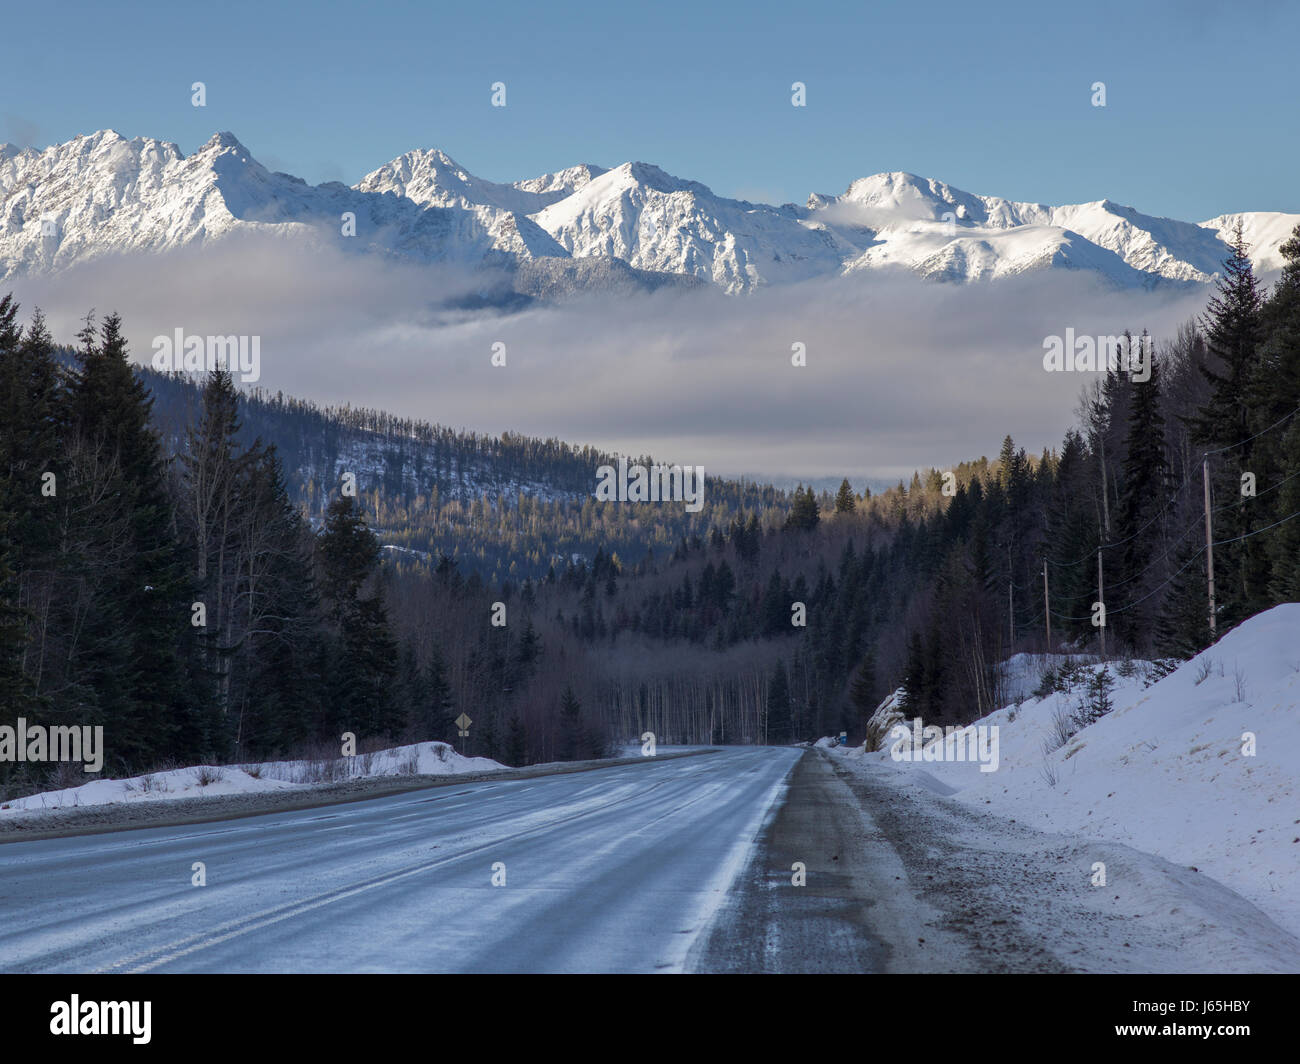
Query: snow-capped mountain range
(585, 227)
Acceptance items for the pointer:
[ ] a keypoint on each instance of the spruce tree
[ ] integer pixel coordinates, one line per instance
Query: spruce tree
(1144, 498)
(1183, 627)
(572, 739)
(1284, 545)
(1073, 533)
(348, 554)
(17, 692)
(28, 513)
(1233, 324)
(776, 607)
(211, 472)
(516, 750)
(130, 650)
(15, 686)
(439, 708)
(778, 707)
(1277, 388)
(275, 689)
(845, 501)
(29, 412)
(750, 541)
(863, 690)
(804, 512)
(1096, 701)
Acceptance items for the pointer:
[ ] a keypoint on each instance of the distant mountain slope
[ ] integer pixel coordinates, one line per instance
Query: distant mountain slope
(504, 507)
(656, 221)
(431, 178)
(103, 195)
(941, 231)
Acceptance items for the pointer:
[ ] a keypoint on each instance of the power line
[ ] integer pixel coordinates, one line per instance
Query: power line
(1158, 559)
(1257, 495)
(1087, 559)
(1090, 557)
(1130, 605)
(1182, 569)
(1163, 557)
(1261, 432)
(1183, 535)
(1237, 539)
(1195, 523)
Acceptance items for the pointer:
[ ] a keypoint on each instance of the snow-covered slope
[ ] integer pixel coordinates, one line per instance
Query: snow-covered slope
(432, 178)
(1265, 232)
(943, 232)
(423, 759)
(659, 222)
(102, 194)
(1168, 770)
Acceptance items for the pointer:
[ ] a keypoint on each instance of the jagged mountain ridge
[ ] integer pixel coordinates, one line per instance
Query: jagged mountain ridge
(586, 227)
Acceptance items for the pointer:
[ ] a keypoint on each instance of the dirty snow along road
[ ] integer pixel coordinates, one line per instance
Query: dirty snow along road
(615, 869)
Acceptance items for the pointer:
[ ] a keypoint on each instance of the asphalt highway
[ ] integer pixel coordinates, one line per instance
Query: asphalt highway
(612, 870)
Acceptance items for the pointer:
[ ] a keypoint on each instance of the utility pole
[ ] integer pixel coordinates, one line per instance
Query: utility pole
(1101, 599)
(1105, 491)
(1011, 604)
(1047, 608)
(1209, 540)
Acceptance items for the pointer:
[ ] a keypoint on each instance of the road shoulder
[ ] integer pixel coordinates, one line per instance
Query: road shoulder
(850, 914)
(1024, 900)
(901, 879)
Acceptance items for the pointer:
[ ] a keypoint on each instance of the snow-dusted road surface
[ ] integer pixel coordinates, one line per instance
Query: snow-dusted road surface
(612, 870)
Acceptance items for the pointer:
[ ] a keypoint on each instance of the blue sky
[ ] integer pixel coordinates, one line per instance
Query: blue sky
(1202, 115)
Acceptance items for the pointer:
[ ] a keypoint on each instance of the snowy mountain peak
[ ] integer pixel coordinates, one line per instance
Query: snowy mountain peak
(223, 142)
(103, 194)
(432, 178)
(660, 180)
(566, 181)
(896, 186)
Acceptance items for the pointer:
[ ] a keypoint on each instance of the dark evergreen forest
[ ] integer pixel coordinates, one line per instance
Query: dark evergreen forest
(180, 562)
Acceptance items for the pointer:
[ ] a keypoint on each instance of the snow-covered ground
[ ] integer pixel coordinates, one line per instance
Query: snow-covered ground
(1170, 770)
(1021, 674)
(419, 759)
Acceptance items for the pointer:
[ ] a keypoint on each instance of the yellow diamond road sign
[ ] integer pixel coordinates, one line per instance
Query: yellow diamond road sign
(463, 722)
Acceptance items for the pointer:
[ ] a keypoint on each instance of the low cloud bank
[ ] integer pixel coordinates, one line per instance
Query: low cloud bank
(900, 373)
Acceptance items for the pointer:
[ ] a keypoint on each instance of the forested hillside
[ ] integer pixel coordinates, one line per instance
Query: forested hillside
(506, 507)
